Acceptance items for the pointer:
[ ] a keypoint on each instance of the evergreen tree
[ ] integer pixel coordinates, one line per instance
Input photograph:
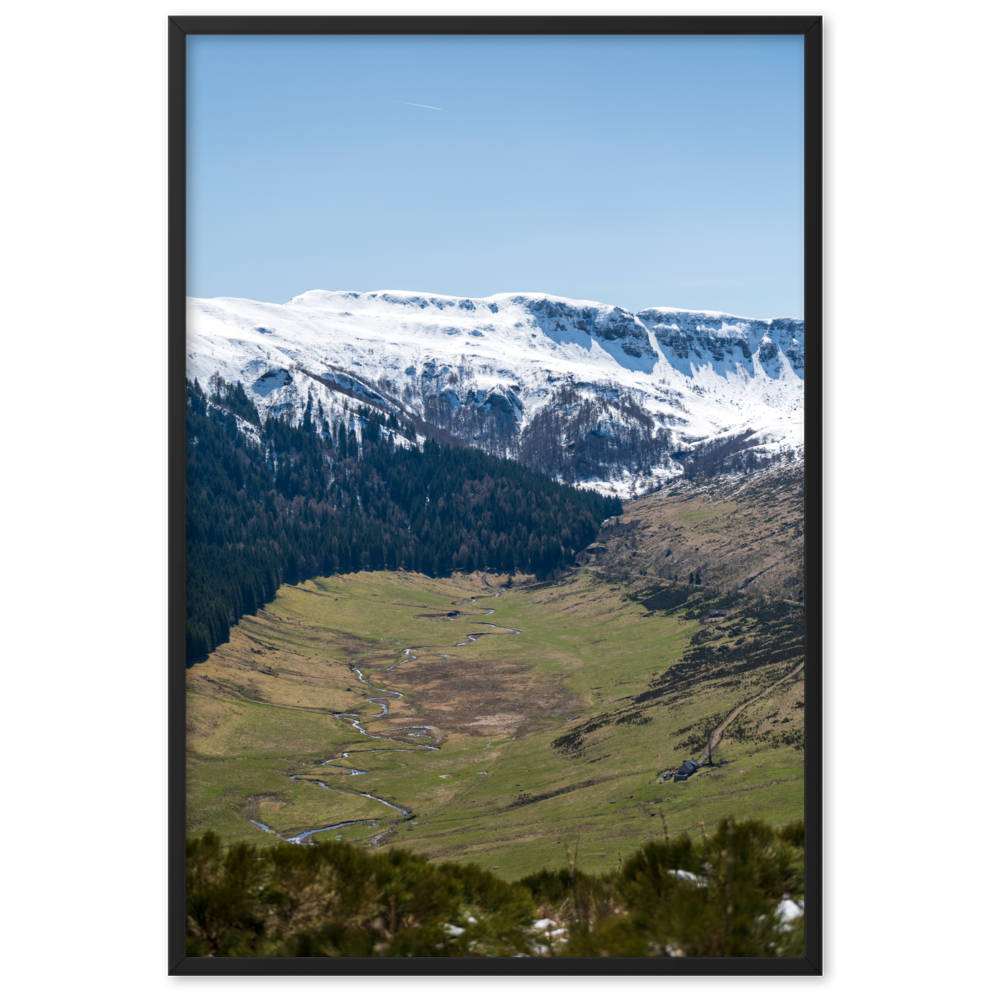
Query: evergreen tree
(294, 506)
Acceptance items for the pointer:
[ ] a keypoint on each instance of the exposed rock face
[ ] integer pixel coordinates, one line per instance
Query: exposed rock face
(690, 338)
(725, 339)
(607, 324)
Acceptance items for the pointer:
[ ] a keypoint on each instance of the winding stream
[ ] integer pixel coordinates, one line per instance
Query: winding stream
(409, 654)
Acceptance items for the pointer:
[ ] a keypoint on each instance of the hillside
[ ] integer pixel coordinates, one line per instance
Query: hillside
(346, 490)
(734, 534)
(585, 392)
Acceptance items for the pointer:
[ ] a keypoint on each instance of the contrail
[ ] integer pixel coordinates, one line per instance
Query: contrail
(412, 105)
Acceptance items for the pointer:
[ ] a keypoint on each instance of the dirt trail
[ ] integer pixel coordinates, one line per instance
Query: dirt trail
(717, 734)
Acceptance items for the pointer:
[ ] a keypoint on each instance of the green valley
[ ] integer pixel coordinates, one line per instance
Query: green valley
(543, 739)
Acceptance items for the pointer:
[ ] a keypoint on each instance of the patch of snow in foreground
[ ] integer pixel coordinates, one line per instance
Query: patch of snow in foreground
(789, 910)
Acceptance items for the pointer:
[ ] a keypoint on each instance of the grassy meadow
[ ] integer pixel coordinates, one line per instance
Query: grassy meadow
(549, 743)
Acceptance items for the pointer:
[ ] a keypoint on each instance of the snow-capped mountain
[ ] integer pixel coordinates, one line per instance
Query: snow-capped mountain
(590, 393)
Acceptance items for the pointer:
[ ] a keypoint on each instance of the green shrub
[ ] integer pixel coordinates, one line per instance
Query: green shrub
(548, 888)
(717, 895)
(335, 899)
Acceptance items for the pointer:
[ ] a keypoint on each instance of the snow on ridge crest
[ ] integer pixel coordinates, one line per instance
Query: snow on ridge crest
(486, 368)
(655, 312)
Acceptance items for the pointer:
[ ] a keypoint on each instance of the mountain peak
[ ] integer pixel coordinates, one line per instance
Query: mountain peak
(587, 391)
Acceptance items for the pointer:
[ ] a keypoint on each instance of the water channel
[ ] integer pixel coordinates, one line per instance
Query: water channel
(409, 654)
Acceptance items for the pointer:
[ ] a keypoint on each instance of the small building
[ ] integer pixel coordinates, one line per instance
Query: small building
(681, 773)
(686, 770)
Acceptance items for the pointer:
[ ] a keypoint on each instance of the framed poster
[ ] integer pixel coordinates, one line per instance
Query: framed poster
(495, 495)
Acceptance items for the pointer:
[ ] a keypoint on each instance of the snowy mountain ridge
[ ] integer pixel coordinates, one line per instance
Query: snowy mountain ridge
(591, 393)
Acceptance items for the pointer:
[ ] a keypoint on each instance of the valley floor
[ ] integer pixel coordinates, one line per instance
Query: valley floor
(543, 738)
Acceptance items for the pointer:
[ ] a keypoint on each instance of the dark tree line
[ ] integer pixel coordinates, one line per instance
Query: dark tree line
(274, 503)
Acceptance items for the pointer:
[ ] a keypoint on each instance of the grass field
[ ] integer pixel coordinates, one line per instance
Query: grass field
(549, 742)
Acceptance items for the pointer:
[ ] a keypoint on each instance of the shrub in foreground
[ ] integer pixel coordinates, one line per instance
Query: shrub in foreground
(717, 895)
(335, 899)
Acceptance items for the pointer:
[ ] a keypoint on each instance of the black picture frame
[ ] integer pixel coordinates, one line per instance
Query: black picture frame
(810, 29)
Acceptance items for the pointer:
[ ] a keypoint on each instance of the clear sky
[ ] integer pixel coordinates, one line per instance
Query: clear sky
(636, 171)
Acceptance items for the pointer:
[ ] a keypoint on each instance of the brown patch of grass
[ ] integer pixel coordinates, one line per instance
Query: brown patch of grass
(492, 696)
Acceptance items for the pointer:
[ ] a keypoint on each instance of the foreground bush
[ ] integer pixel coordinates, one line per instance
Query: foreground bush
(717, 895)
(335, 899)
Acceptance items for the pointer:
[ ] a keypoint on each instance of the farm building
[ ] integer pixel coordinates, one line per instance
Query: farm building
(688, 767)
(683, 772)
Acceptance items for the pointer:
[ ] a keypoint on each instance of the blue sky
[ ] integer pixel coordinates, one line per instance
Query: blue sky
(637, 171)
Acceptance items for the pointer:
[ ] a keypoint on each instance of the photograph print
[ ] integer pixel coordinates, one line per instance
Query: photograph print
(493, 535)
